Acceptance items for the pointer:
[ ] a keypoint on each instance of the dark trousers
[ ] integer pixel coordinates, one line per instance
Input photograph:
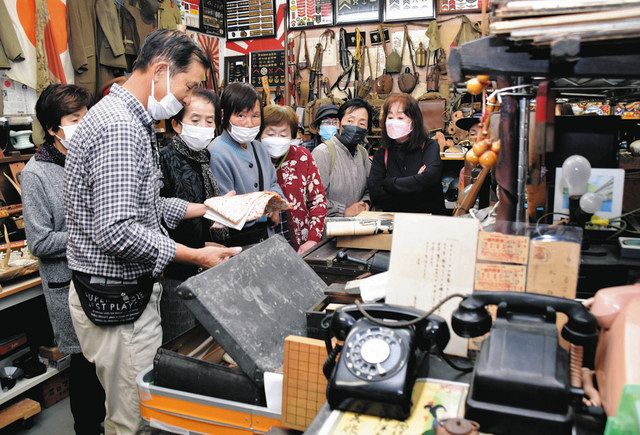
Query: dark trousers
(86, 396)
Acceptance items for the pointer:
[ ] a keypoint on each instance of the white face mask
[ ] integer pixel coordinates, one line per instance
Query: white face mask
(276, 146)
(68, 133)
(165, 108)
(197, 138)
(244, 134)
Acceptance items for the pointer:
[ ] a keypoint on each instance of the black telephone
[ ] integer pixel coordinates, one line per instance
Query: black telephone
(377, 367)
(520, 383)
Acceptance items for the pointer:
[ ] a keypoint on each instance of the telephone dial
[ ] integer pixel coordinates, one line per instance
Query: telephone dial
(379, 360)
(520, 383)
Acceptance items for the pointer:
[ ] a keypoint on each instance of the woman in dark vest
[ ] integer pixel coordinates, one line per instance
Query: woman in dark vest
(186, 175)
(406, 171)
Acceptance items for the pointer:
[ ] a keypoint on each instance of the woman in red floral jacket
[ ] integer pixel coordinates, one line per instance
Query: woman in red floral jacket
(297, 176)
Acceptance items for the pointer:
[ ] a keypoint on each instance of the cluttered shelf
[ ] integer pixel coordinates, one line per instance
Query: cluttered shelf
(26, 384)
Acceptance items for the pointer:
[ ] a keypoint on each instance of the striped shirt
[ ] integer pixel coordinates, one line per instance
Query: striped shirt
(114, 212)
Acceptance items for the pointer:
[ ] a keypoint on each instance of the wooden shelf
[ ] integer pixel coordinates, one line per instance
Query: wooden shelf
(24, 385)
(20, 291)
(498, 56)
(16, 159)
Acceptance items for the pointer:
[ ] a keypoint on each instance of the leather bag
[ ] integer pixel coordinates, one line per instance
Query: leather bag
(433, 113)
(407, 81)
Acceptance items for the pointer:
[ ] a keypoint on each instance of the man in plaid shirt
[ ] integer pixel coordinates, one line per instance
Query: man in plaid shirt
(115, 218)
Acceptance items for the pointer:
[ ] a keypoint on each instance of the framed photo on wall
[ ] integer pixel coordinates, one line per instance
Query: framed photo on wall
(270, 64)
(212, 17)
(250, 19)
(459, 6)
(401, 10)
(236, 69)
(357, 11)
(190, 12)
(305, 14)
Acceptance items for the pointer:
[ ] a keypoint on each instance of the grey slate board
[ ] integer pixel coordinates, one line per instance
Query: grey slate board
(250, 303)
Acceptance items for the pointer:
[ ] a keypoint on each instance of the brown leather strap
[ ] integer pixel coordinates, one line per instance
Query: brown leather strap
(307, 61)
(382, 40)
(407, 41)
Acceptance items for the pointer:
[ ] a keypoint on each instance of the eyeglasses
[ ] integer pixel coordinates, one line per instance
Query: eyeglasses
(329, 121)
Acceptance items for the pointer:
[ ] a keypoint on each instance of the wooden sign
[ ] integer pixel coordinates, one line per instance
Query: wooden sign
(249, 19)
(270, 64)
(503, 248)
(212, 17)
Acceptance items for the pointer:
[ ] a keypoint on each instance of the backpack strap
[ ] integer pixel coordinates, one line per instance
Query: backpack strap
(333, 155)
(364, 154)
(386, 157)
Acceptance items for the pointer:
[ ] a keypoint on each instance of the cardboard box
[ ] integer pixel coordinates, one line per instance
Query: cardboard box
(381, 242)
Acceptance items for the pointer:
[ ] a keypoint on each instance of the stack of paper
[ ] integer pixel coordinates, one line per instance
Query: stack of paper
(235, 211)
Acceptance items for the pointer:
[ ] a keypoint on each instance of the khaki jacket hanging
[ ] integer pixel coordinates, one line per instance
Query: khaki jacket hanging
(10, 49)
(82, 42)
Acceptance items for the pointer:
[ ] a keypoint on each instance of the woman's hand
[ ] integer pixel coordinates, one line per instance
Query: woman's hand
(306, 246)
(356, 208)
(422, 169)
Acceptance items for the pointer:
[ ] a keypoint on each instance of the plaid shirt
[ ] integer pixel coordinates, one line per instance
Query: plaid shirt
(113, 207)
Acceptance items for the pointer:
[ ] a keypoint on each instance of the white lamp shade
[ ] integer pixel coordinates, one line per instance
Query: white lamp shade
(576, 171)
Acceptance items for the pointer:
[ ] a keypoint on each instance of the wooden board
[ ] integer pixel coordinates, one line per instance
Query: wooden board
(304, 388)
(19, 286)
(22, 410)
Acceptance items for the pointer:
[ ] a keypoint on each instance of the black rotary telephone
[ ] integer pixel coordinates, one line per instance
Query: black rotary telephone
(379, 359)
(520, 382)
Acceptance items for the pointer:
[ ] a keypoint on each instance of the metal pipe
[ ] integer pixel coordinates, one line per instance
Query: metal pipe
(523, 154)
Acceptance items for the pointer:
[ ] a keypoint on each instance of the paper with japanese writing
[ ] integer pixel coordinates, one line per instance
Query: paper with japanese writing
(553, 268)
(235, 211)
(500, 277)
(430, 397)
(503, 248)
(432, 257)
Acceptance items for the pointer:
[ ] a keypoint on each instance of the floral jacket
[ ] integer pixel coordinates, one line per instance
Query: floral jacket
(300, 181)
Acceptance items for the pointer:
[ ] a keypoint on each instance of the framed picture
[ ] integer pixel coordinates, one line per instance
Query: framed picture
(608, 183)
(458, 6)
(250, 19)
(212, 17)
(357, 11)
(401, 10)
(236, 69)
(268, 63)
(190, 12)
(305, 14)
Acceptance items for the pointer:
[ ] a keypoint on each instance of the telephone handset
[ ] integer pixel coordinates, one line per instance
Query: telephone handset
(472, 319)
(377, 366)
(520, 383)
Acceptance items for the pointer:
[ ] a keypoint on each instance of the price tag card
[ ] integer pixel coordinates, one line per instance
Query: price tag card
(500, 277)
(503, 248)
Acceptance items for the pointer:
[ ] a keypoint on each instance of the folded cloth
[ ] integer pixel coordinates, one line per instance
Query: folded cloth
(235, 211)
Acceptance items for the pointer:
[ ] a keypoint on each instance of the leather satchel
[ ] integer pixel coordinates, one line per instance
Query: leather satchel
(407, 81)
(383, 84)
(433, 113)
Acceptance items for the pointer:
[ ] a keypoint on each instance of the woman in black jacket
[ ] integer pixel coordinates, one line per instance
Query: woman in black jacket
(406, 171)
(186, 174)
